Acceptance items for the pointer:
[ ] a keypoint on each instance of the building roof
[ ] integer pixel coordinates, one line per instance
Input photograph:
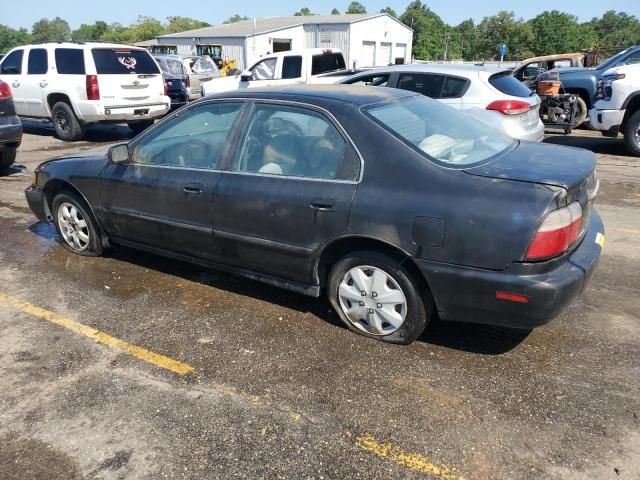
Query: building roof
(147, 43)
(248, 28)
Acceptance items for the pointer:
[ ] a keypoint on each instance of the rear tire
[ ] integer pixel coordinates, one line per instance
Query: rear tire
(7, 158)
(65, 123)
(78, 230)
(377, 297)
(138, 127)
(632, 134)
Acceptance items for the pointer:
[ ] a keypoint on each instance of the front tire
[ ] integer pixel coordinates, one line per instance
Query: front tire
(632, 134)
(138, 127)
(65, 123)
(377, 297)
(76, 226)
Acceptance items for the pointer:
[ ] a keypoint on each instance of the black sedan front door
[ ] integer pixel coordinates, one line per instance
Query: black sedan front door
(289, 191)
(162, 198)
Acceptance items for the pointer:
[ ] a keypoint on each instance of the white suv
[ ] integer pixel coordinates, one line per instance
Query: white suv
(617, 107)
(75, 84)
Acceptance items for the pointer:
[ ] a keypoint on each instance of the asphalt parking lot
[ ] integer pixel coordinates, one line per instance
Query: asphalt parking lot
(134, 366)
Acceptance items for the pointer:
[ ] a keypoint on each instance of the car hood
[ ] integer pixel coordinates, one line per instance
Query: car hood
(540, 163)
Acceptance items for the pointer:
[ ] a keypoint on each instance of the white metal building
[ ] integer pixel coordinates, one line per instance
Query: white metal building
(365, 39)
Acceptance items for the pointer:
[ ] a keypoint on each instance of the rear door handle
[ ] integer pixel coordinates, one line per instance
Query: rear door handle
(193, 188)
(328, 204)
(43, 84)
(15, 84)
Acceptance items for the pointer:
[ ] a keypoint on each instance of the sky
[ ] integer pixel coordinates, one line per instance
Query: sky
(214, 12)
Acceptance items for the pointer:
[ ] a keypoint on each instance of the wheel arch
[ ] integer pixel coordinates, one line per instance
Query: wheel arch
(342, 246)
(56, 97)
(631, 105)
(56, 186)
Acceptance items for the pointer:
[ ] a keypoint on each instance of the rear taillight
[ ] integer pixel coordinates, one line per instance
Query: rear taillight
(559, 230)
(166, 88)
(509, 107)
(5, 90)
(93, 89)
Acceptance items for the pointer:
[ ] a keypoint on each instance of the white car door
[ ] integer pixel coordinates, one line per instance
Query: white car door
(11, 72)
(36, 82)
(428, 84)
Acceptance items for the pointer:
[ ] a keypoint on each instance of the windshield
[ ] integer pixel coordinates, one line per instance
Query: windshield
(202, 66)
(445, 135)
(171, 66)
(610, 62)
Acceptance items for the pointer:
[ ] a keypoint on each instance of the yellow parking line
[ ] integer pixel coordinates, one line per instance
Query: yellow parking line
(100, 337)
(413, 461)
(625, 230)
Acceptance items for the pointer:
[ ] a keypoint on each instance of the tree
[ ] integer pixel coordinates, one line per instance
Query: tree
(146, 28)
(504, 27)
(235, 19)
(184, 24)
(303, 12)
(118, 33)
(10, 37)
(428, 31)
(558, 32)
(56, 30)
(356, 7)
(88, 33)
(616, 29)
(464, 40)
(335, 11)
(389, 11)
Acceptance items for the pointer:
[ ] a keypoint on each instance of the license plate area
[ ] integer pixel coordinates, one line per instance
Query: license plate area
(141, 111)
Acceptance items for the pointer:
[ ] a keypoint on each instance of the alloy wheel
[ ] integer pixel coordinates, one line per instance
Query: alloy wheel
(63, 121)
(372, 300)
(73, 226)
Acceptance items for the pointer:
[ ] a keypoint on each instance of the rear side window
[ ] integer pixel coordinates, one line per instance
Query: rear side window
(454, 87)
(12, 64)
(116, 61)
(426, 84)
(509, 85)
(379, 80)
(327, 62)
(292, 67)
(38, 63)
(70, 61)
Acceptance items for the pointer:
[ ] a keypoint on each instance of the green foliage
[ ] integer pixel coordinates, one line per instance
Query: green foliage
(616, 29)
(235, 19)
(558, 32)
(504, 27)
(56, 30)
(183, 24)
(335, 11)
(90, 33)
(428, 31)
(356, 7)
(389, 11)
(303, 12)
(10, 37)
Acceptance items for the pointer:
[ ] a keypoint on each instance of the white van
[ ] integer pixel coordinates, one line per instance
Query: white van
(75, 84)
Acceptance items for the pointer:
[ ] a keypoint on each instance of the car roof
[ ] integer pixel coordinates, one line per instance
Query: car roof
(464, 70)
(559, 56)
(353, 94)
(119, 46)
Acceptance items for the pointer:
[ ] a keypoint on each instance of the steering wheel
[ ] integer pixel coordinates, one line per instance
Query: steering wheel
(195, 154)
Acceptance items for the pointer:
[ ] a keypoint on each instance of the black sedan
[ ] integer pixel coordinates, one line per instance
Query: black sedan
(396, 206)
(10, 127)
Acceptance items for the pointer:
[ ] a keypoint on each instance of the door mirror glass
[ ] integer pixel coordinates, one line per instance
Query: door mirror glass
(119, 153)
(245, 76)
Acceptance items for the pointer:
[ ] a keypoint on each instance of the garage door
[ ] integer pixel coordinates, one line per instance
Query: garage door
(368, 57)
(401, 53)
(385, 54)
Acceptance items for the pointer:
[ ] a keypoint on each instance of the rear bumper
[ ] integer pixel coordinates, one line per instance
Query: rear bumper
(513, 126)
(10, 134)
(36, 200)
(469, 295)
(94, 112)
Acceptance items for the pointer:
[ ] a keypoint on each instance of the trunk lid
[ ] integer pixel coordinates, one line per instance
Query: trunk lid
(128, 76)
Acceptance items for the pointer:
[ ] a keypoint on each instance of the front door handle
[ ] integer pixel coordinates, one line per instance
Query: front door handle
(327, 204)
(43, 84)
(193, 188)
(15, 84)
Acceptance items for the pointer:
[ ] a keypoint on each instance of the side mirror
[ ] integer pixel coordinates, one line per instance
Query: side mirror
(246, 75)
(119, 153)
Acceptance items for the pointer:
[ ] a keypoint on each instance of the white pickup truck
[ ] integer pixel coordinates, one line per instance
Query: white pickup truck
(312, 65)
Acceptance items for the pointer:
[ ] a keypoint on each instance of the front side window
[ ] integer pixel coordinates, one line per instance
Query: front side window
(37, 64)
(70, 61)
(117, 61)
(12, 64)
(292, 67)
(265, 70)
(448, 137)
(379, 80)
(424, 83)
(291, 141)
(194, 139)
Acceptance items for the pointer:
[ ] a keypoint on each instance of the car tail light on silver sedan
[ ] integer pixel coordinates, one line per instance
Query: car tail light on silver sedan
(510, 107)
(5, 90)
(559, 230)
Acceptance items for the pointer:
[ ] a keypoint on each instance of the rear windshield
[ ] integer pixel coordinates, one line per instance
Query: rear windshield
(445, 135)
(327, 62)
(114, 61)
(202, 65)
(506, 83)
(171, 66)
